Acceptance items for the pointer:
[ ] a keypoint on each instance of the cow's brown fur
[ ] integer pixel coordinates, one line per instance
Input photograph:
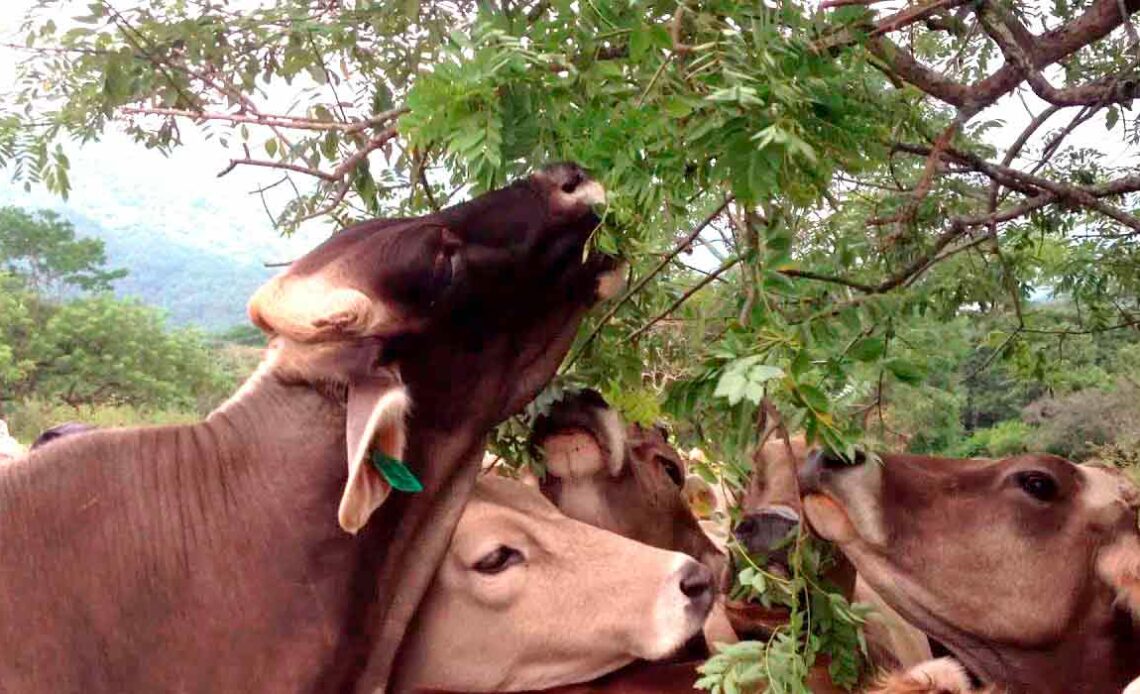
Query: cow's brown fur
(575, 602)
(1022, 589)
(624, 478)
(773, 497)
(208, 557)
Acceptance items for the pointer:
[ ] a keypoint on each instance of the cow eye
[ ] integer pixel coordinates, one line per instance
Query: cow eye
(499, 560)
(672, 469)
(573, 182)
(1037, 484)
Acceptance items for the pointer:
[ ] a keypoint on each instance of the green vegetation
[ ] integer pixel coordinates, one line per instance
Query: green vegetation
(69, 350)
(817, 213)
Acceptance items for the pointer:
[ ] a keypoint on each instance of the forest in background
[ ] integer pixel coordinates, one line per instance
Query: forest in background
(70, 350)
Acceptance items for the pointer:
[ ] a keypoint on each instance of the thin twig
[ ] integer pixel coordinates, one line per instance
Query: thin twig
(270, 120)
(681, 245)
(725, 267)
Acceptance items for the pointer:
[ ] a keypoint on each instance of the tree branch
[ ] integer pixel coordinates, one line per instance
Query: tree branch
(680, 246)
(725, 267)
(269, 120)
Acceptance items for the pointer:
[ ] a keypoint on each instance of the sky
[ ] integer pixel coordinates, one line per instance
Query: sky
(117, 182)
(182, 192)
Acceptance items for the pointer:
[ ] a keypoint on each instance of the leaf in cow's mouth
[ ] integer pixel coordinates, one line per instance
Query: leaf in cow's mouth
(397, 474)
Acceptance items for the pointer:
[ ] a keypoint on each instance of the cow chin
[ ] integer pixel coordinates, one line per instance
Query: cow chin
(675, 619)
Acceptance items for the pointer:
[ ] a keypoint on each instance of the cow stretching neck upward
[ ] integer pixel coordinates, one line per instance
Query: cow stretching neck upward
(213, 557)
(1026, 568)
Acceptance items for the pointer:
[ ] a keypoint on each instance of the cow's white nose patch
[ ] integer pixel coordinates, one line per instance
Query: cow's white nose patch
(673, 622)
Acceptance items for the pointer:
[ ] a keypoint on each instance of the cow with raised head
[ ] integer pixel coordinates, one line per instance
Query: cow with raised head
(1026, 568)
(624, 478)
(263, 549)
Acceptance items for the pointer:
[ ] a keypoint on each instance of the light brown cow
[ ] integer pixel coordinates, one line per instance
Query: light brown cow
(771, 510)
(1026, 568)
(624, 478)
(527, 598)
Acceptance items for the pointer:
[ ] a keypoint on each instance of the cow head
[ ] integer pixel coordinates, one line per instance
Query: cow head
(771, 506)
(527, 598)
(626, 479)
(1023, 567)
(465, 312)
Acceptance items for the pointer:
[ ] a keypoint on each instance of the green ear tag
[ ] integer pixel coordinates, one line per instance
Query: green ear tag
(397, 474)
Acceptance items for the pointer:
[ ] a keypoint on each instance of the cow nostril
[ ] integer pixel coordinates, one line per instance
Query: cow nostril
(746, 528)
(696, 581)
(833, 461)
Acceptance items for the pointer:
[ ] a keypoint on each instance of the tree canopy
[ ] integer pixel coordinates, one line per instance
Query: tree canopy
(814, 209)
(89, 347)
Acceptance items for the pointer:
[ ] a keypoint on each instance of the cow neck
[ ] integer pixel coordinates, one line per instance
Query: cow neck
(1099, 653)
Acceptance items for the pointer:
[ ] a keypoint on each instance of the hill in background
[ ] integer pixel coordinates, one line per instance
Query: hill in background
(194, 244)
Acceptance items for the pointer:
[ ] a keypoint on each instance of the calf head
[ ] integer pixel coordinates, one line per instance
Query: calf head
(625, 479)
(527, 598)
(1023, 567)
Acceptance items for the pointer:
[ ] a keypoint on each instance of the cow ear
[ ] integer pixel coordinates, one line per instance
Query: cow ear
(374, 422)
(310, 309)
(1118, 564)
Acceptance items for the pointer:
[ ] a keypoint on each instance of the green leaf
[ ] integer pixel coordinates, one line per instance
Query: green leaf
(906, 371)
(813, 397)
(397, 474)
(867, 349)
(640, 42)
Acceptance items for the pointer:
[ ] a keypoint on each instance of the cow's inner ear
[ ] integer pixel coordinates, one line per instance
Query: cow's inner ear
(1118, 564)
(376, 410)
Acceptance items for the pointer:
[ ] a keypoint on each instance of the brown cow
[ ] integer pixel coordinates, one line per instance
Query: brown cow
(527, 598)
(625, 479)
(772, 510)
(1026, 568)
(213, 557)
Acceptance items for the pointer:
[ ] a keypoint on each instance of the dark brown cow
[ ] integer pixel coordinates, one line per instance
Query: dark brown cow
(625, 479)
(1026, 568)
(209, 557)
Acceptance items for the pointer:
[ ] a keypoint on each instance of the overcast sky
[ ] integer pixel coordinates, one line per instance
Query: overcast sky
(182, 186)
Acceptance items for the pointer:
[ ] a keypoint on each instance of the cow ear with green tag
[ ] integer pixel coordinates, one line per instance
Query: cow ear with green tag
(374, 440)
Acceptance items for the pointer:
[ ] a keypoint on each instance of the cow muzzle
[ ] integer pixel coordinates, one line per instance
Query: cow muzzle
(681, 608)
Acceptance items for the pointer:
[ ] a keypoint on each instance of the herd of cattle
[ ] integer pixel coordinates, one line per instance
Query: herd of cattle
(263, 549)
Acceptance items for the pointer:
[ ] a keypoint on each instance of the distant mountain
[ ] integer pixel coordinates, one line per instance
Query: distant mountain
(195, 287)
(194, 245)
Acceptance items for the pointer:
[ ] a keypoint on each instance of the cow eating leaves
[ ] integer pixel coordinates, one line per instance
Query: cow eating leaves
(624, 478)
(1025, 568)
(210, 557)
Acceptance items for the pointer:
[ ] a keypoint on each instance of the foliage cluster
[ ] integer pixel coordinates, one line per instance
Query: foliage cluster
(85, 348)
